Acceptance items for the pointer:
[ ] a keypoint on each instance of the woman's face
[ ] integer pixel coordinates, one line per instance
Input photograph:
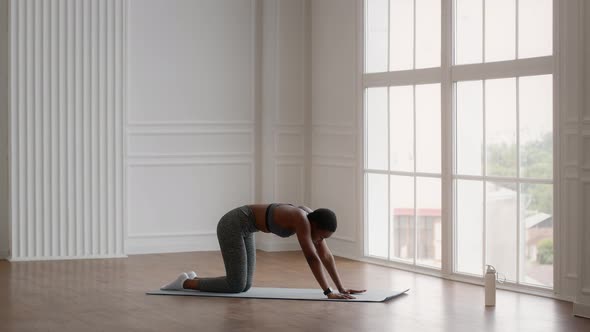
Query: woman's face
(317, 235)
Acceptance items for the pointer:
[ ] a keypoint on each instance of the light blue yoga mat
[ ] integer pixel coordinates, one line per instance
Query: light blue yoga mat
(374, 295)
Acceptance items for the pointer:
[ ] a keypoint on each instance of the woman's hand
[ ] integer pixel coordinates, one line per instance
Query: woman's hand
(351, 291)
(340, 296)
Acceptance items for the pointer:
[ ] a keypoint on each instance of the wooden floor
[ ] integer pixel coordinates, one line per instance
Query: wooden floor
(108, 295)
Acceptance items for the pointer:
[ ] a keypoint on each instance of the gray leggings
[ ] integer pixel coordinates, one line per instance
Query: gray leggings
(235, 232)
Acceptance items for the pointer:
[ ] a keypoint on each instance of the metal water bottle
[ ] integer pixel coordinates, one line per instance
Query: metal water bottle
(490, 286)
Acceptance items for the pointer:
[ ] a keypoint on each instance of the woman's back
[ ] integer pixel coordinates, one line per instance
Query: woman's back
(282, 218)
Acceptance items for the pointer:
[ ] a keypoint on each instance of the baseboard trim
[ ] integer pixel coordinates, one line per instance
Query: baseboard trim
(150, 244)
(61, 258)
(582, 310)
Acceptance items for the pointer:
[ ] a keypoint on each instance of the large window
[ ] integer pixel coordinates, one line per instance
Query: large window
(458, 99)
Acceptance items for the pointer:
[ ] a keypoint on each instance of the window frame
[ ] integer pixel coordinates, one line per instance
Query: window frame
(447, 75)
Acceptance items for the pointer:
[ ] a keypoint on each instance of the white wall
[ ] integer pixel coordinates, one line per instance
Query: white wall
(67, 79)
(573, 162)
(285, 109)
(195, 141)
(191, 122)
(4, 109)
(218, 106)
(335, 119)
(569, 186)
(582, 299)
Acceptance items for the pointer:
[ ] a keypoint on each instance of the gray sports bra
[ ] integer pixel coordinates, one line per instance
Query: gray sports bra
(272, 226)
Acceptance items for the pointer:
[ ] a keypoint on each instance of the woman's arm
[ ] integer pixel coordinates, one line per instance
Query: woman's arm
(330, 264)
(304, 238)
(311, 255)
(328, 260)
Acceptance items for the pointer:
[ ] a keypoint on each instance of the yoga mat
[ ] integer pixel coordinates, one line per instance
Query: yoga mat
(373, 295)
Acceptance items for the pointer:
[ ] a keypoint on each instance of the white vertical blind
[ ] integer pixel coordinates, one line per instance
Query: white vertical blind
(68, 116)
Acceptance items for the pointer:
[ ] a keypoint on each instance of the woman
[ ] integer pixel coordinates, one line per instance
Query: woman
(235, 232)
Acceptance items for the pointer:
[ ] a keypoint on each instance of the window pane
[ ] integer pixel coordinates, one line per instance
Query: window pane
(428, 33)
(536, 126)
(500, 30)
(401, 117)
(377, 214)
(536, 216)
(402, 211)
(535, 28)
(469, 135)
(468, 31)
(377, 128)
(376, 36)
(501, 226)
(469, 223)
(500, 111)
(428, 144)
(401, 34)
(428, 221)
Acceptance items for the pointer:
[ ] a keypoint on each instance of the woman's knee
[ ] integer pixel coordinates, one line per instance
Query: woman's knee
(236, 285)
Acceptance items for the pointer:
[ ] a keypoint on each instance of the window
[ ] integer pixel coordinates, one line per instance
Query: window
(403, 130)
(492, 78)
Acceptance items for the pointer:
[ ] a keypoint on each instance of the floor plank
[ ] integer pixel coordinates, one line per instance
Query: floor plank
(108, 295)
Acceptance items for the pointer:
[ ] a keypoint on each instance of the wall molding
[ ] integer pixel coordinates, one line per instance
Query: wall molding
(327, 152)
(281, 125)
(165, 156)
(333, 131)
(569, 199)
(182, 131)
(236, 143)
(570, 148)
(570, 172)
(297, 134)
(318, 161)
(177, 123)
(163, 162)
(343, 126)
(279, 162)
(585, 162)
